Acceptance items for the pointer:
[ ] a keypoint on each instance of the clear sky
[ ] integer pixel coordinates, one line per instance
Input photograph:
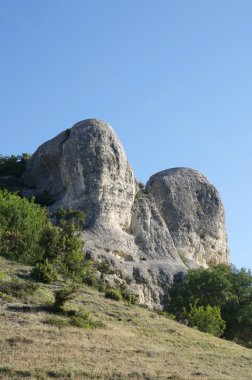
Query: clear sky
(173, 78)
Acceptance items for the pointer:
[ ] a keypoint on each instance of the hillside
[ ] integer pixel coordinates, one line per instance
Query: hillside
(133, 344)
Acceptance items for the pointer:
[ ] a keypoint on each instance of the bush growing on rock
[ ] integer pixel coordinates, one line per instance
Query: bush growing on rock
(64, 248)
(131, 298)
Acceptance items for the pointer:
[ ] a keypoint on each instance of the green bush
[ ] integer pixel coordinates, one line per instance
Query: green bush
(64, 249)
(207, 319)
(84, 320)
(21, 226)
(13, 165)
(62, 296)
(44, 272)
(141, 186)
(113, 294)
(28, 236)
(131, 298)
(225, 287)
(3, 277)
(168, 315)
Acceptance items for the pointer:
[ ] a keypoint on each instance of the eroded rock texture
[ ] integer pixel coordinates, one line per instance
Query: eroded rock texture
(192, 210)
(85, 167)
(147, 236)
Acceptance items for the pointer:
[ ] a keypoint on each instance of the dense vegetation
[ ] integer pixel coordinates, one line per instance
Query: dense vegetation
(22, 224)
(216, 300)
(13, 165)
(28, 236)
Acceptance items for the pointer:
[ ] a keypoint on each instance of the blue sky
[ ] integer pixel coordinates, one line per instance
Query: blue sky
(173, 78)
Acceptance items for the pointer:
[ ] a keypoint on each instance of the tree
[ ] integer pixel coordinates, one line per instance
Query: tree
(207, 319)
(22, 223)
(63, 247)
(13, 165)
(220, 286)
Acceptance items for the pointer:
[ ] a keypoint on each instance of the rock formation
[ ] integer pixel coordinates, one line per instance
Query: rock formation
(193, 212)
(148, 236)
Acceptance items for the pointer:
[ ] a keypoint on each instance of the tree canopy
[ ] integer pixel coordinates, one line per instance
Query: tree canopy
(222, 286)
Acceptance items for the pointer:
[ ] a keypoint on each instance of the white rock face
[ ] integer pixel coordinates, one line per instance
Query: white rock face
(149, 236)
(192, 210)
(85, 167)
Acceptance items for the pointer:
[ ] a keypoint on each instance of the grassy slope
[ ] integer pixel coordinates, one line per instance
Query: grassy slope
(135, 344)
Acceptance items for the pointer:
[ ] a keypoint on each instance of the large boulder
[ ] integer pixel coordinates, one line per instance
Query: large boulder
(193, 212)
(86, 168)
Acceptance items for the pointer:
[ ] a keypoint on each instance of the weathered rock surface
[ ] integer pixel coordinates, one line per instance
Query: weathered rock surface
(147, 236)
(192, 210)
(85, 167)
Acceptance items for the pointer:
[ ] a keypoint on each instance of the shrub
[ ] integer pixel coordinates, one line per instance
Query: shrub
(44, 272)
(104, 267)
(131, 298)
(141, 186)
(13, 165)
(62, 296)
(206, 319)
(113, 294)
(83, 319)
(168, 315)
(21, 225)
(63, 247)
(3, 277)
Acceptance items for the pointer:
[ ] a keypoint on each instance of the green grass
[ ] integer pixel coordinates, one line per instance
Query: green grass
(130, 343)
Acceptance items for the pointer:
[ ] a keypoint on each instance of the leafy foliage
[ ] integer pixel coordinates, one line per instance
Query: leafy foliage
(83, 319)
(113, 294)
(62, 296)
(64, 248)
(207, 319)
(131, 298)
(27, 235)
(44, 272)
(22, 223)
(13, 165)
(221, 286)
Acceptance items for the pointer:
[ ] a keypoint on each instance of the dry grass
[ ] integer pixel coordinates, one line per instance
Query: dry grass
(135, 344)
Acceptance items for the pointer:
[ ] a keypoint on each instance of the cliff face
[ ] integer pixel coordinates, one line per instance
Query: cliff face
(148, 236)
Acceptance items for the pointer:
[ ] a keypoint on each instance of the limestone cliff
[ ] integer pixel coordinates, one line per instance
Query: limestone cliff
(148, 236)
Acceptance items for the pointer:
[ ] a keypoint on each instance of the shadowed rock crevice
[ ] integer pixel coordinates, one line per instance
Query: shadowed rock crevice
(148, 236)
